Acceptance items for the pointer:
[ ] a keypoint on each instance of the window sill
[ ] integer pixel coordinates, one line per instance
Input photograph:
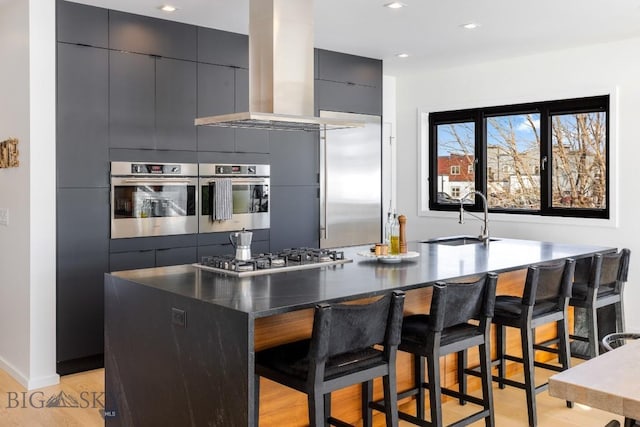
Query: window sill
(529, 219)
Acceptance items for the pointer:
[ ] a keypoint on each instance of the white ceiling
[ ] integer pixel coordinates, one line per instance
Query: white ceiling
(428, 30)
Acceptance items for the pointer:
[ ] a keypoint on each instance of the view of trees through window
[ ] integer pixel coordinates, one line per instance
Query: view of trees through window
(513, 158)
(562, 168)
(579, 160)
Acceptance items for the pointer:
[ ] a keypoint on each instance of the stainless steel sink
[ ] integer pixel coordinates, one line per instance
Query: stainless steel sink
(456, 241)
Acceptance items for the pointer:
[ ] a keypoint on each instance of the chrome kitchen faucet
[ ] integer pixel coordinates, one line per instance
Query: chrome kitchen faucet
(484, 233)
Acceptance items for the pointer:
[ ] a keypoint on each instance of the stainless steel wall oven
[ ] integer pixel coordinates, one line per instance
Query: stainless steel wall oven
(234, 197)
(153, 199)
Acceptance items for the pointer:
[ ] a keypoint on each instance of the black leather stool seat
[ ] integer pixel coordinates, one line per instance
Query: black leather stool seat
(508, 306)
(293, 360)
(579, 292)
(413, 328)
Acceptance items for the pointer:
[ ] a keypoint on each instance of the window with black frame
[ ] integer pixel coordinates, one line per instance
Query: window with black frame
(545, 158)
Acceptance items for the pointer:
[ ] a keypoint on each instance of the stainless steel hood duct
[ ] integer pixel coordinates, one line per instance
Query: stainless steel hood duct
(280, 71)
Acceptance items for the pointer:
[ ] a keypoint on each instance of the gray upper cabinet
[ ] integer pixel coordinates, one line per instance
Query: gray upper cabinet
(141, 34)
(175, 104)
(247, 140)
(216, 95)
(223, 48)
(82, 116)
(131, 100)
(340, 67)
(152, 102)
(348, 97)
(295, 217)
(294, 158)
(81, 24)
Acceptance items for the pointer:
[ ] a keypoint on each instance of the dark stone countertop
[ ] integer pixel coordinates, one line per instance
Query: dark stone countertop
(275, 293)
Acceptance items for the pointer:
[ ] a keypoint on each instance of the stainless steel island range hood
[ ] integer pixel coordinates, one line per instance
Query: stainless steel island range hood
(280, 71)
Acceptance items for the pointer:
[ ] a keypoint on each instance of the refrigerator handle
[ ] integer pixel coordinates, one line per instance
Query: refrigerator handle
(323, 185)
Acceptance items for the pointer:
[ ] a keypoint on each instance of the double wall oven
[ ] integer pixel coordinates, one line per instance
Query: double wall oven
(159, 199)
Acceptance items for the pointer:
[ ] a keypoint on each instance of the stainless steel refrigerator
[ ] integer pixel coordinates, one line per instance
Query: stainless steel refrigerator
(351, 182)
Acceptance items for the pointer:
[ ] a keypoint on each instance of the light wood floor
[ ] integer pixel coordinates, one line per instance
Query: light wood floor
(510, 406)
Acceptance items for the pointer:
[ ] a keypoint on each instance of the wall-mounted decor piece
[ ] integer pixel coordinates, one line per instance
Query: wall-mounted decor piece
(9, 153)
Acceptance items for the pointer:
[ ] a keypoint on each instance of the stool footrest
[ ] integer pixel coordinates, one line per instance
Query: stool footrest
(336, 422)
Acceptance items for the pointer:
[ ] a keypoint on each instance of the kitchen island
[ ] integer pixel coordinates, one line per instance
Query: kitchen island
(180, 341)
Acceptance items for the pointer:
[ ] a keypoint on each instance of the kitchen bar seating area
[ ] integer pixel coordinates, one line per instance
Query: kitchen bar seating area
(266, 314)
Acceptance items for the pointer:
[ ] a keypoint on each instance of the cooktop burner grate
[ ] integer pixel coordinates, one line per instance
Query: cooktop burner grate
(286, 260)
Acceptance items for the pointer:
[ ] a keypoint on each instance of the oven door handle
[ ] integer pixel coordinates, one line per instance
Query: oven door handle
(248, 181)
(158, 180)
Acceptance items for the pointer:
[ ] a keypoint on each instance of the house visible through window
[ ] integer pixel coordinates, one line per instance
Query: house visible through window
(546, 158)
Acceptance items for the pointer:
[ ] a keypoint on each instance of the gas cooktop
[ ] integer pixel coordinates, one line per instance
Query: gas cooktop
(286, 260)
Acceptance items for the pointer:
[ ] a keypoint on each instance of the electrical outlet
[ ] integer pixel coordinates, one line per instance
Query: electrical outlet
(178, 317)
(4, 216)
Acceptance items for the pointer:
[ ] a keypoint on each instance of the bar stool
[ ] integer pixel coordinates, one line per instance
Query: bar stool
(605, 286)
(544, 300)
(445, 330)
(340, 353)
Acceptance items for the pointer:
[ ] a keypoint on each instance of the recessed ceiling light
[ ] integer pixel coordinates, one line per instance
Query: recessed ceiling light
(167, 8)
(395, 5)
(402, 55)
(470, 26)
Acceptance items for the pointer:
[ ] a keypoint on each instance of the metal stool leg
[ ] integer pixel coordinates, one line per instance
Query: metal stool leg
(526, 335)
(462, 378)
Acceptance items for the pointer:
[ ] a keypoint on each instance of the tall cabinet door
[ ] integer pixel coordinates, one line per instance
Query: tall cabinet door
(175, 104)
(82, 112)
(216, 95)
(83, 258)
(131, 100)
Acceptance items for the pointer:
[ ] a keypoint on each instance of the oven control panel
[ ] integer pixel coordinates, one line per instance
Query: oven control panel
(235, 170)
(138, 169)
(155, 169)
(231, 170)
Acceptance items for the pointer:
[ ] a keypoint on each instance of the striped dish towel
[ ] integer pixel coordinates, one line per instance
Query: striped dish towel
(222, 199)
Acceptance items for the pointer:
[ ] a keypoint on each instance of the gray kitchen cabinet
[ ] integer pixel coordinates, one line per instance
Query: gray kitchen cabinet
(348, 97)
(223, 48)
(152, 102)
(83, 258)
(132, 260)
(81, 24)
(210, 244)
(175, 104)
(142, 34)
(341, 67)
(176, 256)
(295, 217)
(259, 247)
(131, 100)
(82, 148)
(294, 158)
(216, 95)
(247, 140)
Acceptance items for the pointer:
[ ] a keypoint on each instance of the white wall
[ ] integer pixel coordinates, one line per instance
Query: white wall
(586, 71)
(42, 194)
(27, 244)
(14, 190)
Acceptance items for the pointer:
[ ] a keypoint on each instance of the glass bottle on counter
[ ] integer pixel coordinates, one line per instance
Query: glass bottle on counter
(394, 237)
(387, 229)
